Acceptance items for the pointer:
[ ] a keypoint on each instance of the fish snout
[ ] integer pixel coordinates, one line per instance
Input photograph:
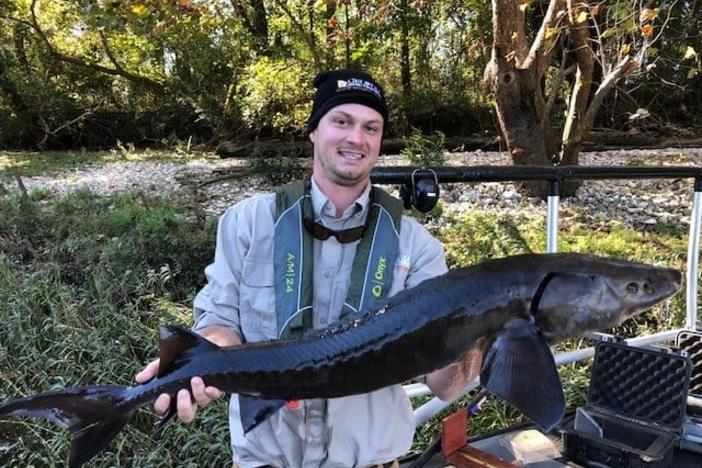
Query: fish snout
(663, 284)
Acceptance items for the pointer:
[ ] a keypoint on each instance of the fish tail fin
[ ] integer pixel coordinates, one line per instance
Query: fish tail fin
(94, 414)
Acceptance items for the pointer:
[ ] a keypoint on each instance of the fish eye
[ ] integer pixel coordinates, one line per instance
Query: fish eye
(632, 288)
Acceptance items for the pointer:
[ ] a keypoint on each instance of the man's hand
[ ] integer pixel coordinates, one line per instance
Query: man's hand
(449, 382)
(203, 395)
(186, 406)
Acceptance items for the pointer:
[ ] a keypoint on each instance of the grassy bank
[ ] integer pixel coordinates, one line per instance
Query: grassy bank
(85, 281)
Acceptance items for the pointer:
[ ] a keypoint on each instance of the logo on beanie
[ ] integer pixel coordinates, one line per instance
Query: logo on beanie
(358, 84)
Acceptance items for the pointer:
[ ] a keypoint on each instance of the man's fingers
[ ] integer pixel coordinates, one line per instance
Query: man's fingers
(148, 372)
(214, 392)
(162, 403)
(201, 397)
(186, 408)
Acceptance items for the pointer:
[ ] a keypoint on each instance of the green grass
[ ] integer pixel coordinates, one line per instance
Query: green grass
(85, 281)
(36, 163)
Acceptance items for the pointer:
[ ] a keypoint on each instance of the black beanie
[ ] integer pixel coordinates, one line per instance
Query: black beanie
(337, 87)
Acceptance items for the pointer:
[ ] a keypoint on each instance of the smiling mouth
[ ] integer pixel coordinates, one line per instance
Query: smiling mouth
(351, 155)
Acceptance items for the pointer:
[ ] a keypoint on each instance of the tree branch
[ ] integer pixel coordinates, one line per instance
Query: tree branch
(539, 54)
(34, 24)
(301, 29)
(556, 85)
(241, 12)
(625, 67)
(585, 59)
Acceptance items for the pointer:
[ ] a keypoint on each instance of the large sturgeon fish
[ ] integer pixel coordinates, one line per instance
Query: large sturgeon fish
(523, 303)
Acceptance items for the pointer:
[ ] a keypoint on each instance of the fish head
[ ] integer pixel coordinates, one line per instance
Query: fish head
(597, 294)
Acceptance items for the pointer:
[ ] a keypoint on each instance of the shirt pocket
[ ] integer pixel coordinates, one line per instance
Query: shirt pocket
(257, 301)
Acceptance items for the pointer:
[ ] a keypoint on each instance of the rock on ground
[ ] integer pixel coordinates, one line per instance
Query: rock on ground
(636, 203)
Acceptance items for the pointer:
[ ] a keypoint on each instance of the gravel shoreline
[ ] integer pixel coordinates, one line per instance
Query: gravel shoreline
(635, 203)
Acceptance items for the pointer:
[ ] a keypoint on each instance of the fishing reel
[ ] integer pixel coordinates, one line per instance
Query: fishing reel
(422, 193)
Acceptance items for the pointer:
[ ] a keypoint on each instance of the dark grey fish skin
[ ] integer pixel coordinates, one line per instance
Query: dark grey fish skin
(525, 302)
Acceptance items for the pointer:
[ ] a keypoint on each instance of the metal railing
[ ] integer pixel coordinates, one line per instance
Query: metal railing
(554, 176)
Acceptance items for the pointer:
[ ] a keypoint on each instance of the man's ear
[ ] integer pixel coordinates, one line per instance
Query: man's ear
(313, 136)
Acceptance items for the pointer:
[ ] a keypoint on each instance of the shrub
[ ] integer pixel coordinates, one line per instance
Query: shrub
(423, 151)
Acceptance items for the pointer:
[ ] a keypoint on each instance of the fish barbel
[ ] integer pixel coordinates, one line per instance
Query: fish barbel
(522, 303)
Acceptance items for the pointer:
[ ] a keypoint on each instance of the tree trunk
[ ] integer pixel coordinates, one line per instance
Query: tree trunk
(514, 74)
(329, 13)
(405, 53)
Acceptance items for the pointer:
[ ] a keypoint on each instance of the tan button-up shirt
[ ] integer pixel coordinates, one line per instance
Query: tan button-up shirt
(358, 430)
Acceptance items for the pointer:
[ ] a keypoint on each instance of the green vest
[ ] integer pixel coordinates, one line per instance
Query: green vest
(371, 276)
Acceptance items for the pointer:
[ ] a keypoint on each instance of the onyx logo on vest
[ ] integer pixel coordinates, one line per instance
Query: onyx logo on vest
(379, 275)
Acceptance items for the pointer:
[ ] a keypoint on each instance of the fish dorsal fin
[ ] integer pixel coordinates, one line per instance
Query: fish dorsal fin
(519, 368)
(174, 341)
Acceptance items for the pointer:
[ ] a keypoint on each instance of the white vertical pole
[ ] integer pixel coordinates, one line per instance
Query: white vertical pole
(552, 217)
(693, 251)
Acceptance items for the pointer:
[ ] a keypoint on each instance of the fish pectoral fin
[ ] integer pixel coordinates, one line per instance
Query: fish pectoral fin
(519, 368)
(253, 411)
(174, 341)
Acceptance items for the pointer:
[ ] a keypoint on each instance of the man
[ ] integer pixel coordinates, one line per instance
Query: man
(331, 232)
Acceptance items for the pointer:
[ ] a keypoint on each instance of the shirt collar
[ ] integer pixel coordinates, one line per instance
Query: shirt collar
(324, 208)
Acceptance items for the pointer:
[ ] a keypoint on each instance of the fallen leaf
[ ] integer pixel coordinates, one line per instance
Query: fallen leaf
(582, 17)
(624, 50)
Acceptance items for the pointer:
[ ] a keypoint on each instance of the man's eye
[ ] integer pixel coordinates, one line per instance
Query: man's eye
(372, 129)
(340, 121)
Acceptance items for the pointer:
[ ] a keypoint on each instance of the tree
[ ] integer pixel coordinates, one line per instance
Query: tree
(612, 39)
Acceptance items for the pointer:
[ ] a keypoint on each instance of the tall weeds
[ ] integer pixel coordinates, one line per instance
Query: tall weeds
(85, 281)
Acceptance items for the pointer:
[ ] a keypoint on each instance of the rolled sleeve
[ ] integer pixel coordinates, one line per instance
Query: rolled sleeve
(428, 258)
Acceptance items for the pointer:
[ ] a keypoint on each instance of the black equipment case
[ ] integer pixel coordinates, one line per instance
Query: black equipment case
(690, 341)
(635, 409)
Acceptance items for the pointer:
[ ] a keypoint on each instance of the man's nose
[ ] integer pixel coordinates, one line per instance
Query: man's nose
(355, 135)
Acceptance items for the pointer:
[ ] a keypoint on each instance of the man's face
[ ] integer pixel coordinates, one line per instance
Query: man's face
(347, 144)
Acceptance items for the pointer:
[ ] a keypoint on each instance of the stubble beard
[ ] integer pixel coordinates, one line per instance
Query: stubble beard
(346, 179)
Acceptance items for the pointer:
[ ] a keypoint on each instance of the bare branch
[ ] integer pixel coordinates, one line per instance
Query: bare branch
(625, 67)
(48, 131)
(79, 118)
(539, 54)
(556, 85)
